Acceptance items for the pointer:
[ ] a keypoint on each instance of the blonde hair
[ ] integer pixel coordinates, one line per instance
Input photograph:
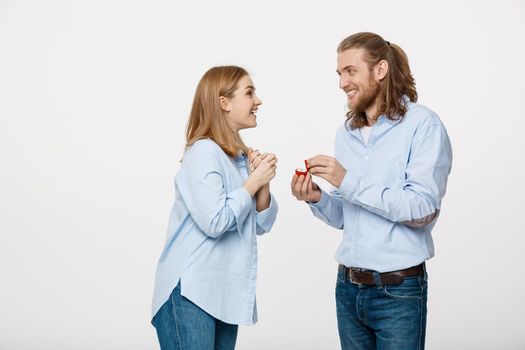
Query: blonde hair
(207, 119)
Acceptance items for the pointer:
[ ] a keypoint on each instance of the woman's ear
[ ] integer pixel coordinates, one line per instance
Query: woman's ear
(225, 103)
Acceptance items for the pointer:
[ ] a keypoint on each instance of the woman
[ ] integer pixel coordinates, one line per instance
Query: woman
(205, 280)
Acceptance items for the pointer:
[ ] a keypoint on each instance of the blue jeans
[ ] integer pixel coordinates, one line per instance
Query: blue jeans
(382, 316)
(182, 325)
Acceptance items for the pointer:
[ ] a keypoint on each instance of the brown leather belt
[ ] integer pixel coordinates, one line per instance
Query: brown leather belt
(393, 278)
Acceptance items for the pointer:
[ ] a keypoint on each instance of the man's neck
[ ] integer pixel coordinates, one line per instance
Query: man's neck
(371, 114)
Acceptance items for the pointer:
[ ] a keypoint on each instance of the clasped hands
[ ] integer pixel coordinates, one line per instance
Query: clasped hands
(262, 170)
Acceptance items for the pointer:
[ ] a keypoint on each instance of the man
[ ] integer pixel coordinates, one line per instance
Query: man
(389, 175)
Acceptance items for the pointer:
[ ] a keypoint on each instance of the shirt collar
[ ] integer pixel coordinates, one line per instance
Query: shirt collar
(382, 117)
(241, 158)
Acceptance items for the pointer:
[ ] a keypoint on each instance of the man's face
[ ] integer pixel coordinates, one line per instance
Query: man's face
(356, 80)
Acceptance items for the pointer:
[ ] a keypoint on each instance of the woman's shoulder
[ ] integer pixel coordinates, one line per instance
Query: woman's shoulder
(203, 146)
(203, 151)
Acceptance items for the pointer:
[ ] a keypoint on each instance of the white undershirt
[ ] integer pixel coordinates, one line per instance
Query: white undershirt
(365, 132)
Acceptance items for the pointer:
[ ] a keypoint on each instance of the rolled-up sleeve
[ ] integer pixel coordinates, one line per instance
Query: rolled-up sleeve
(419, 199)
(201, 184)
(329, 209)
(266, 218)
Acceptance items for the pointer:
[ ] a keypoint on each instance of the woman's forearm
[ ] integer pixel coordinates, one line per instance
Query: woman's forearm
(262, 197)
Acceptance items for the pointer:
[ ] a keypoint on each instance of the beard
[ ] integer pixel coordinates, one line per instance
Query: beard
(368, 96)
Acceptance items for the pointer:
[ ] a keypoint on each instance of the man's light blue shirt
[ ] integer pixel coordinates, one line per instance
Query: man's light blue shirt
(390, 197)
(211, 245)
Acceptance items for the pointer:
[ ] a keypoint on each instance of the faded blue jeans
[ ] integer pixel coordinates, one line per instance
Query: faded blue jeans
(182, 325)
(382, 317)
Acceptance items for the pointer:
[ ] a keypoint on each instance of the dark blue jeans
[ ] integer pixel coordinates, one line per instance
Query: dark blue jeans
(182, 325)
(382, 317)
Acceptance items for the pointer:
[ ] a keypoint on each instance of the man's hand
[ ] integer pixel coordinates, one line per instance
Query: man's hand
(304, 189)
(327, 168)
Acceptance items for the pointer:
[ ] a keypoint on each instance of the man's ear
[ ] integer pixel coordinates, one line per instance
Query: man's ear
(225, 103)
(381, 70)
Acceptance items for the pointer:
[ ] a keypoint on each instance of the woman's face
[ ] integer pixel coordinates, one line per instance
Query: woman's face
(241, 109)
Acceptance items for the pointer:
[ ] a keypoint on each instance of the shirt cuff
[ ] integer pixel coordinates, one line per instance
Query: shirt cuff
(240, 202)
(322, 203)
(348, 186)
(266, 217)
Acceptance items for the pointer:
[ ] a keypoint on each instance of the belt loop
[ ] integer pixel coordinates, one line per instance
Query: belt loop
(346, 276)
(377, 279)
(425, 275)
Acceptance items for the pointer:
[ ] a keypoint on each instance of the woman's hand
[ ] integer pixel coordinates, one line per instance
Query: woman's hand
(263, 169)
(252, 155)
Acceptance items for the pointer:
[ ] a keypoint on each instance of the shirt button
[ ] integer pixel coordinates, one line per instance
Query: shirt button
(366, 157)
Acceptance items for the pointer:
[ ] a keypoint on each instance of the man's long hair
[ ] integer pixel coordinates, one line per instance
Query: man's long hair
(397, 82)
(207, 119)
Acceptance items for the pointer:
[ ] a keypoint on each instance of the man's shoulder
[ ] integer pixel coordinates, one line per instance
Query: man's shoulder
(342, 128)
(420, 114)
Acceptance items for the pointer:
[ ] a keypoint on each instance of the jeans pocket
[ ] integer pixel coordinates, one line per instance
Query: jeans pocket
(409, 289)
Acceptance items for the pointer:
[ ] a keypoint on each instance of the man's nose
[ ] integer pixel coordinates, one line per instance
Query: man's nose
(343, 82)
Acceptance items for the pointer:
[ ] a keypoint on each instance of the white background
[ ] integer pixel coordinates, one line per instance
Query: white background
(94, 98)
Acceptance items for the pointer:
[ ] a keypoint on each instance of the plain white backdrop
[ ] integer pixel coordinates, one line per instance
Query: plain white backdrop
(94, 98)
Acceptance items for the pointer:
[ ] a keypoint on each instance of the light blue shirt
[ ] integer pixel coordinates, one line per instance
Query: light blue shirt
(390, 197)
(211, 246)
